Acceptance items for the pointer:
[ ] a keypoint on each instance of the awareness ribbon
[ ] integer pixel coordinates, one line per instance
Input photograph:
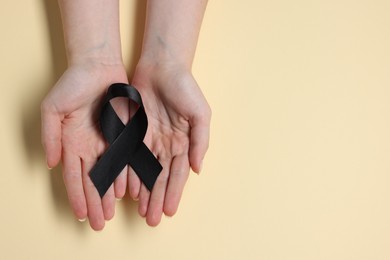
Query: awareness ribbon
(126, 143)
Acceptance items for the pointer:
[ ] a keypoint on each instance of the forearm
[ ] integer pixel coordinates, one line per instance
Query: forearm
(91, 30)
(172, 29)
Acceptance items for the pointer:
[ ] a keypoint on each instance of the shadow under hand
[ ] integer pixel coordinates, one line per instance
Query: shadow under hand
(31, 111)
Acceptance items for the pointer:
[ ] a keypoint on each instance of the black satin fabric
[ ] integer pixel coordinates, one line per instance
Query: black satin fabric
(126, 143)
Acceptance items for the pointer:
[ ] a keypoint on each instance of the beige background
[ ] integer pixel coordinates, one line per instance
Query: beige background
(299, 161)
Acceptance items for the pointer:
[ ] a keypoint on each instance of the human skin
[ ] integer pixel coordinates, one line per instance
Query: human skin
(69, 120)
(178, 113)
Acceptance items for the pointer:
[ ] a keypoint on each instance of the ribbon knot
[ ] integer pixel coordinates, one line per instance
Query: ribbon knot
(126, 143)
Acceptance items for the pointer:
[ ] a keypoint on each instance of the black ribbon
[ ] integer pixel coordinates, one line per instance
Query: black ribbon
(126, 143)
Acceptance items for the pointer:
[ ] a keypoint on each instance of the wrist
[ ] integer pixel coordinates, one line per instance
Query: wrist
(171, 31)
(158, 59)
(153, 65)
(94, 55)
(151, 72)
(158, 50)
(104, 73)
(91, 31)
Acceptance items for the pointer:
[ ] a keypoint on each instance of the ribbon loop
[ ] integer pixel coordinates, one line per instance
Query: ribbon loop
(126, 143)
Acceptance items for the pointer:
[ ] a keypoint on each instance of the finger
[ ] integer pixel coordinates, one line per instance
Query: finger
(134, 184)
(144, 196)
(108, 203)
(156, 201)
(51, 134)
(199, 142)
(71, 168)
(120, 184)
(177, 179)
(94, 203)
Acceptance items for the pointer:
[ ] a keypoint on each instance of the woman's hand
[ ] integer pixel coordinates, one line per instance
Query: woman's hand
(70, 131)
(178, 134)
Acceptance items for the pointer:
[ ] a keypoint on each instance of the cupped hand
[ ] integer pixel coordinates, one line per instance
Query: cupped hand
(178, 135)
(70, 132)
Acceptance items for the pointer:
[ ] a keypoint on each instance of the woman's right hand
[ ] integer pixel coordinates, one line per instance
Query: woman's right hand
(70, 132)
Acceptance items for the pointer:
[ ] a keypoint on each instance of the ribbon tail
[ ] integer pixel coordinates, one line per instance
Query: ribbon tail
(146, 166)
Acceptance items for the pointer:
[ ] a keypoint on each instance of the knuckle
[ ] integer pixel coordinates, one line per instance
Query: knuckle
(45, 106)
(162, 178)
(209, 111)
(207, 145)
(72, 176)
(204, 114)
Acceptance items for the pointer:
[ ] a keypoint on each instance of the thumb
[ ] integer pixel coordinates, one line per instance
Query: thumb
(199, 140)
(51, 134)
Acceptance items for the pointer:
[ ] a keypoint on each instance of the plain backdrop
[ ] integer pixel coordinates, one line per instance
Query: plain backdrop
(299, 158)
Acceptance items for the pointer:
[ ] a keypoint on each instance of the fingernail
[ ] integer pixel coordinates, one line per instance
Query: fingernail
(136, 199)
(201, 167)
(118, 199)
(47, 165)
(82, 219)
